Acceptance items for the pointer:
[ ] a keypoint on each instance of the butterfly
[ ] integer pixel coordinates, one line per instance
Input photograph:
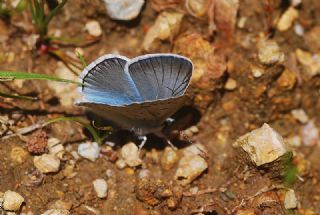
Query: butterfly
(138, 94)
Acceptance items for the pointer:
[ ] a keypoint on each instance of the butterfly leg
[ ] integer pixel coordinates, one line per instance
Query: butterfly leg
(143, 140)
(171, 145)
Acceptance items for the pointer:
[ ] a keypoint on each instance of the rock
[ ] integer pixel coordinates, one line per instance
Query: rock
(290, 200)
(257, 72)
(310, 134)
(269, 52)
(169, 158)
(196, 8)
(100, 187)
(231, 84)
(89, 151)
(12, 201)
(68, 170)
(189, 168)
(300, 115)
(309, 61)
(55, 147)
(144, 173)
(166, 26)
(123, 9)
(242, 22)
(294, 141)
(46, 163)
(298, 29)
(94, 29)
(18, 155)
(37, 143)
(67, 93)
(287, 19)
(130, 154)
(121, 164)
(287, 80)
(263, 145)
(61, 205)
(56, 212)
(195, 149)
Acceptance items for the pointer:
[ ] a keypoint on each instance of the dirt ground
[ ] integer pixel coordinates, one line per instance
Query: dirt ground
(232, 92)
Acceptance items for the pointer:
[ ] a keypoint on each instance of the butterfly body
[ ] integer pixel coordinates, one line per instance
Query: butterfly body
(137, 94)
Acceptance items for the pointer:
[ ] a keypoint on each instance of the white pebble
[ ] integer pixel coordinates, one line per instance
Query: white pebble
(168, 158)
(231, 84)
(121, 164)
(55, 147)
(46, 163)
(93, 28)
(130, 153)
(310, 134)
(195, 149)
(263, 145)
(89, 151)
(257, 72)
(294, 141)
(269, 52)
(12, 201)
(100, 187)
(287, 18)
(298, 29)
(189, 168)
(300, 115)
(144, 173)
(56, 212)
(290, 200)
(123, 9)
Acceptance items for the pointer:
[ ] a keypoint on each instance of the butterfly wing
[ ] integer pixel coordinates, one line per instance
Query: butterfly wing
(106, 81)
(160, 76)
(144, 117)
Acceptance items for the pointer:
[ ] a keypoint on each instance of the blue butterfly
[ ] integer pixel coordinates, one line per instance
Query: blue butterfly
(138, 94)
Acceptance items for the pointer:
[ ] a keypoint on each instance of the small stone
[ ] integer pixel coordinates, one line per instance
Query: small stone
(296, 3)
(37, 142)
(46, 163)
(189, 168)
(89, 151)
(298, 29)
(263, 145)
(55, 147)
(196, 8)
(294, 141)
(290, 200)
(123, 9)
(61, 205)
(144, 173)
(300, 115)
(12, 201)
(287, 80)
(257, 72)
(18, 155)
(195, 149)
(100, 187)
(311, 62)
(56, 212)
(310, 134)
(130, 154)
(169, 158)
(269, 52)
(121, 164)
(94, 29)
(231, 84)
(242, 22)
(166, 26)
(287, 19)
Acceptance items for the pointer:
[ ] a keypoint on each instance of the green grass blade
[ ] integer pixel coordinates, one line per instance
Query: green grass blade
(81, 121)
(55, 11)
(18, 97)
(8, 75)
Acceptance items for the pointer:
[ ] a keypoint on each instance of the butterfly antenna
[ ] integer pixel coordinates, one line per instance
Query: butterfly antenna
(143, 140)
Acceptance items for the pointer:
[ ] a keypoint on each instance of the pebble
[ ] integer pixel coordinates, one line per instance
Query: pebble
(263, 145)
(121, 164)
(298, 29)
(166, 26)
(310, 134)
(195, 149)
(56, 212)
(300, 115)
(196, 8)
(242, 22)
(144, 173)
(287, 80)
(18, 155)
(311, 62)
(189, 168)
(294, 141)
(169, 158)
(123, 9)
(12, 201)
(269, 52)
(257, 72)
(46, 163)
(94, 29)
(231, 84)
(287, 19)
(100, 187)
(89, 151)
(290, 200)
(55, 147)
(61, 205)
(130, 154)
